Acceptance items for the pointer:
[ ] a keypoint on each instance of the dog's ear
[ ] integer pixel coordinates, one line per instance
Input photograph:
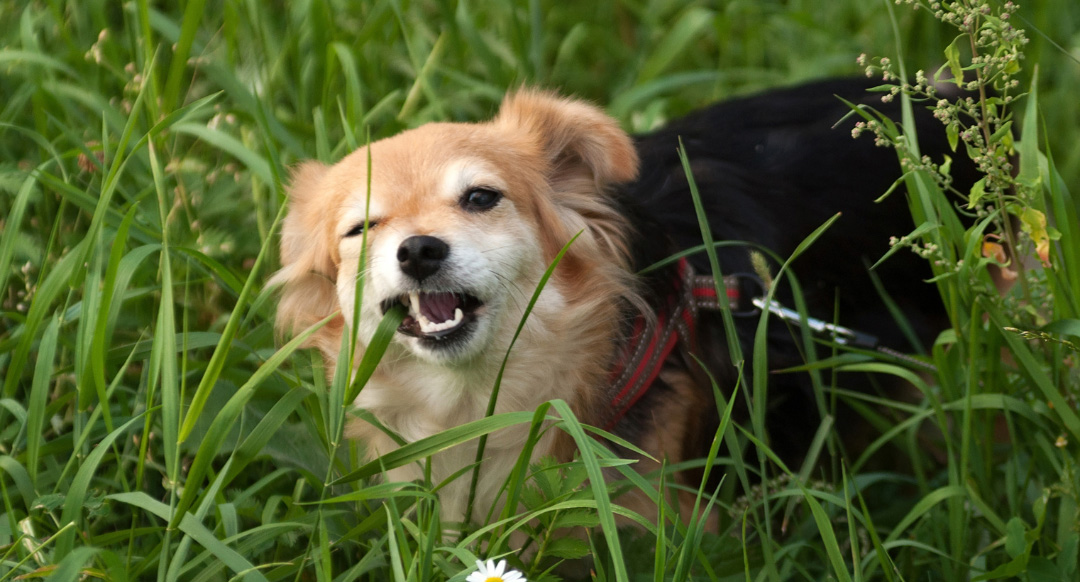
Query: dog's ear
(575, 137)
(585, 152)
(308, 252)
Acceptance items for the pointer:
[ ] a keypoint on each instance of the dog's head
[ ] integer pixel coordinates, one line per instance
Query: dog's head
(461, 222)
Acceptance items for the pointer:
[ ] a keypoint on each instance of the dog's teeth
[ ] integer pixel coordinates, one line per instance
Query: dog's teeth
(412, 300)
(427, 326)
(414, 304)
(458, 316)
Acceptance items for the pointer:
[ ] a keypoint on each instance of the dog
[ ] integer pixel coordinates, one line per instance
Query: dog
(462, 220)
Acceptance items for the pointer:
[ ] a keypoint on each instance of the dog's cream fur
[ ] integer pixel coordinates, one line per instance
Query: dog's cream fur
(553, 160)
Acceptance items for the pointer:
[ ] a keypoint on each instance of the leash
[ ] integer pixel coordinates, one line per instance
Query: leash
(652, 341)
(839, 334)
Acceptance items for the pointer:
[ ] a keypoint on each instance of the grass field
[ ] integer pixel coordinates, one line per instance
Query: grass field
(152, 425)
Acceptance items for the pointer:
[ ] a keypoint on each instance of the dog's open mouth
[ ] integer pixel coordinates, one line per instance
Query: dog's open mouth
(435, 316)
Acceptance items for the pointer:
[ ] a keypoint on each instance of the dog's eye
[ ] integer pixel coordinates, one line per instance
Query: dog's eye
(359, 229)
(480, 199)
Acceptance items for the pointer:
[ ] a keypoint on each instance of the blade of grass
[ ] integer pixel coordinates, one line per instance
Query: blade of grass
(105, 315)
(494, 397)
(428, 446)
(226, 417)
(193, 16)
(681, 34)
(190, 526)
(54, 283)
(80, 486)
(39, 394)
(217, 361)
(734, 348)
(13, 221)
(828, 537)
(599, 488)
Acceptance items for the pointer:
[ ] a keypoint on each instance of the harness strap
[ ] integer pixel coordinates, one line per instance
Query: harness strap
(651, 341)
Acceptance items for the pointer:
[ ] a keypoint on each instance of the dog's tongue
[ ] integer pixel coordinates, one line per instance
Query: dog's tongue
(438, 307)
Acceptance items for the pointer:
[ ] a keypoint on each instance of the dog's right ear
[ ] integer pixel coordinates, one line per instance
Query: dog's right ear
(578, 139)
(584, 153)
(308, 253)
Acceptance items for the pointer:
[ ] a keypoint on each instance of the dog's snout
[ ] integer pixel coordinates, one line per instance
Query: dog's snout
(421, 256)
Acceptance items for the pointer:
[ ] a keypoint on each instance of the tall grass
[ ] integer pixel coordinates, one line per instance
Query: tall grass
(152, 426)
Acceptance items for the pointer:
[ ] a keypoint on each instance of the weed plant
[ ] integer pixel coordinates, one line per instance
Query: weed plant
(153, 427)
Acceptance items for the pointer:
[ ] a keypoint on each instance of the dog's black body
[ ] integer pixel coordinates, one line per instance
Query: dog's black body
(770, 169)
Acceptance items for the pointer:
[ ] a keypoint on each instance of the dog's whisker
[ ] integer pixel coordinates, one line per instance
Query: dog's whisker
(510, 285)
(504, 247)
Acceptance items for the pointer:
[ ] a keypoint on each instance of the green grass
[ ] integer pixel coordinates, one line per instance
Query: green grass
(153, 426)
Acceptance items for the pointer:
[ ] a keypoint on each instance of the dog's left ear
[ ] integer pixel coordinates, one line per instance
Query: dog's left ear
(576, 137)
(308, 258)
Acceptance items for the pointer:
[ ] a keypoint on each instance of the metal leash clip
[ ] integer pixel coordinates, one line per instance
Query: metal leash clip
(839, 334)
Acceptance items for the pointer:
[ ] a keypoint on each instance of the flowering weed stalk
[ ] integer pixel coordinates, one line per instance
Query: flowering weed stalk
(972, 97)
(1006, 258)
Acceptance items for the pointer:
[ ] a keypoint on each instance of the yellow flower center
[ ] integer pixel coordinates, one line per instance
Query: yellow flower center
(494, 579)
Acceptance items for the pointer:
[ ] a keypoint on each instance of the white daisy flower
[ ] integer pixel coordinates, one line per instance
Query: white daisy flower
(492, 572)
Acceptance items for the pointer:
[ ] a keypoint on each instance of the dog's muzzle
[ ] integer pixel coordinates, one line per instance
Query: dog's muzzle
(435, 315)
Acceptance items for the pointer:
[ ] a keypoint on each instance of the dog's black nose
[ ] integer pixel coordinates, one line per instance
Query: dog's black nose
(421, 256)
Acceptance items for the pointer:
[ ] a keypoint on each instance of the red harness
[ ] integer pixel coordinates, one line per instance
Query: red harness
(651, 341)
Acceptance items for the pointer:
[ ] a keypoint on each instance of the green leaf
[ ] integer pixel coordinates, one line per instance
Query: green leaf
(915, 234)
(1037, 375)
(258, 438)
(1029, 173)
(952, 58)
(575, 519)
(1068, 557)
(1002, 132)
(55, 282)
(1014, 537)
(567, 548)
(586, 445)
(1006, 570)
(977, 193)
(49, 501)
